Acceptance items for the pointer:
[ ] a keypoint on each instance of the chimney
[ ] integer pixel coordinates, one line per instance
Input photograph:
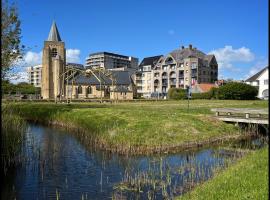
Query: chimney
(182, 47)
(190, 46)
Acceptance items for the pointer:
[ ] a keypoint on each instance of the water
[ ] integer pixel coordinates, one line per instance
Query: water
(57, 165)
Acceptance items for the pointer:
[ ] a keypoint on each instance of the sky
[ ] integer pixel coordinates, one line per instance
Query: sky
(236, 31)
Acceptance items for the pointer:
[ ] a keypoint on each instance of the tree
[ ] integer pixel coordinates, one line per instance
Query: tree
(240, 91)
(10, 38)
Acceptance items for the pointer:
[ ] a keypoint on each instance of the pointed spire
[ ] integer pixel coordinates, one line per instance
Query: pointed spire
(54, 34)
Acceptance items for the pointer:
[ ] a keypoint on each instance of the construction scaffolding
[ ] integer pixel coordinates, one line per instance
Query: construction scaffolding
(98, 73)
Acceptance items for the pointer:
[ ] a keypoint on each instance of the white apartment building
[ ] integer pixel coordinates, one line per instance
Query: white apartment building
(260, 80)
(144, 76)
(34, 75)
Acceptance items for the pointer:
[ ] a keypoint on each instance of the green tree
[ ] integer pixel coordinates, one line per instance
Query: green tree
(236, 90)
(11, 49)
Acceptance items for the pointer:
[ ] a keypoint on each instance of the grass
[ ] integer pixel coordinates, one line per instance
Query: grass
(140, 125)
(12, 135)
(247, 179)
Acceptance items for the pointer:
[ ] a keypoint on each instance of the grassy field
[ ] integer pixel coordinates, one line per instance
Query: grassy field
(140, 126)
(247, 179)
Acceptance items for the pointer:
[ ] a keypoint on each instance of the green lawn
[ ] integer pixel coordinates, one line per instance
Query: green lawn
(140, 124)
(247, 179)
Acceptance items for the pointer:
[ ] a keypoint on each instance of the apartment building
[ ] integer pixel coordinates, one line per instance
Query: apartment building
(181, 68)
(144, 76)
(34, 75)
(111, 61)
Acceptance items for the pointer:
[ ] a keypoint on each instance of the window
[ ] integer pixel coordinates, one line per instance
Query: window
(265, 82)
(89, 90)
(54, 52)
(79, 89)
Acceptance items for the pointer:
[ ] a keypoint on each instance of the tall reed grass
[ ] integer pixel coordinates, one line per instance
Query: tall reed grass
(13, 128)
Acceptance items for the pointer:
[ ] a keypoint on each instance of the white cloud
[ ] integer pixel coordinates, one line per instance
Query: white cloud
(227, 55)
(73, 55)
(33, 58)
(19, 77)
(259, 65)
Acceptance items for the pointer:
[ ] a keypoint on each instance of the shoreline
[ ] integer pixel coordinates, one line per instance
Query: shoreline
(84, 136)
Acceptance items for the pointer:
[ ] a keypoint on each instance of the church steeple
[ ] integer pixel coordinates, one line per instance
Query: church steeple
(54, 34)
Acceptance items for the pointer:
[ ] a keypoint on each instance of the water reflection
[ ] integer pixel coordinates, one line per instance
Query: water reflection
(58, 166)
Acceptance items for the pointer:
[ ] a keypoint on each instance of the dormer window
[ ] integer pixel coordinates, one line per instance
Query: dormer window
(54, 52)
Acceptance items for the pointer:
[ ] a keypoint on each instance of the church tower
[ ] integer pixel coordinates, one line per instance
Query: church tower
(53, 65)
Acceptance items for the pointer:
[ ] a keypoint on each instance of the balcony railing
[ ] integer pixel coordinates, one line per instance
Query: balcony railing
(164, 77)
(173, 82)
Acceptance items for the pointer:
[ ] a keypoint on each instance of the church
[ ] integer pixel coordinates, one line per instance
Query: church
(62, 81)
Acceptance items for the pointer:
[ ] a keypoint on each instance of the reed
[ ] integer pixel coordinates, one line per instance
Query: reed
(246, 179)
(13, 128)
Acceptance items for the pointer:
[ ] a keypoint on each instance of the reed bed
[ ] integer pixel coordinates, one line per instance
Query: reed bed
(13, 128)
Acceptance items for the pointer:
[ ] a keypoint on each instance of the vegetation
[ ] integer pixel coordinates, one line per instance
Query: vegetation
(139, 127)
(240, 91)
(230, 91)
(11, 50)
(23, 88)
(247, 179)
(12, 135)
(177, 93)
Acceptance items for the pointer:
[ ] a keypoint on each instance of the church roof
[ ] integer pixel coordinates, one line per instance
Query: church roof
(122, 78)
(54, 34)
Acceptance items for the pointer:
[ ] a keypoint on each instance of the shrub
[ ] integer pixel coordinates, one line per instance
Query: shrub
(177, 93)
(238, 91)
(205, 95)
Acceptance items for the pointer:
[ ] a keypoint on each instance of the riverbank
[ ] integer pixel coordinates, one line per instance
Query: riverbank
(247, 179)
(140, 127)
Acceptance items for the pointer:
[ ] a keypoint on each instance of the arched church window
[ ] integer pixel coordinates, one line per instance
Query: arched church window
(79, 89)
(54, 52)
(89, 90)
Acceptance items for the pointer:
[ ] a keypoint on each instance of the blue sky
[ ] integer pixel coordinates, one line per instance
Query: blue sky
(236, 31)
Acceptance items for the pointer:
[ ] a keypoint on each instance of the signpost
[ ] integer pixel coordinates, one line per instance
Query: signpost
(188, 90)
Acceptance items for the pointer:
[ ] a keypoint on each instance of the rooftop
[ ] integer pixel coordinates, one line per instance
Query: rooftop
(256, 76)
(54, 34)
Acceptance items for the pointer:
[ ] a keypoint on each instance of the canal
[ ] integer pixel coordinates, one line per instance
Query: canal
(57, 166)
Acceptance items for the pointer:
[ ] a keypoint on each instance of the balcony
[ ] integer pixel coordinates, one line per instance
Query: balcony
(193, 74)
(173, 82)
(164, 84)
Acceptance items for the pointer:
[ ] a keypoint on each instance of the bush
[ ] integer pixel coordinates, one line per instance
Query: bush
(177, 93)
(238, 91)
(205, 95)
